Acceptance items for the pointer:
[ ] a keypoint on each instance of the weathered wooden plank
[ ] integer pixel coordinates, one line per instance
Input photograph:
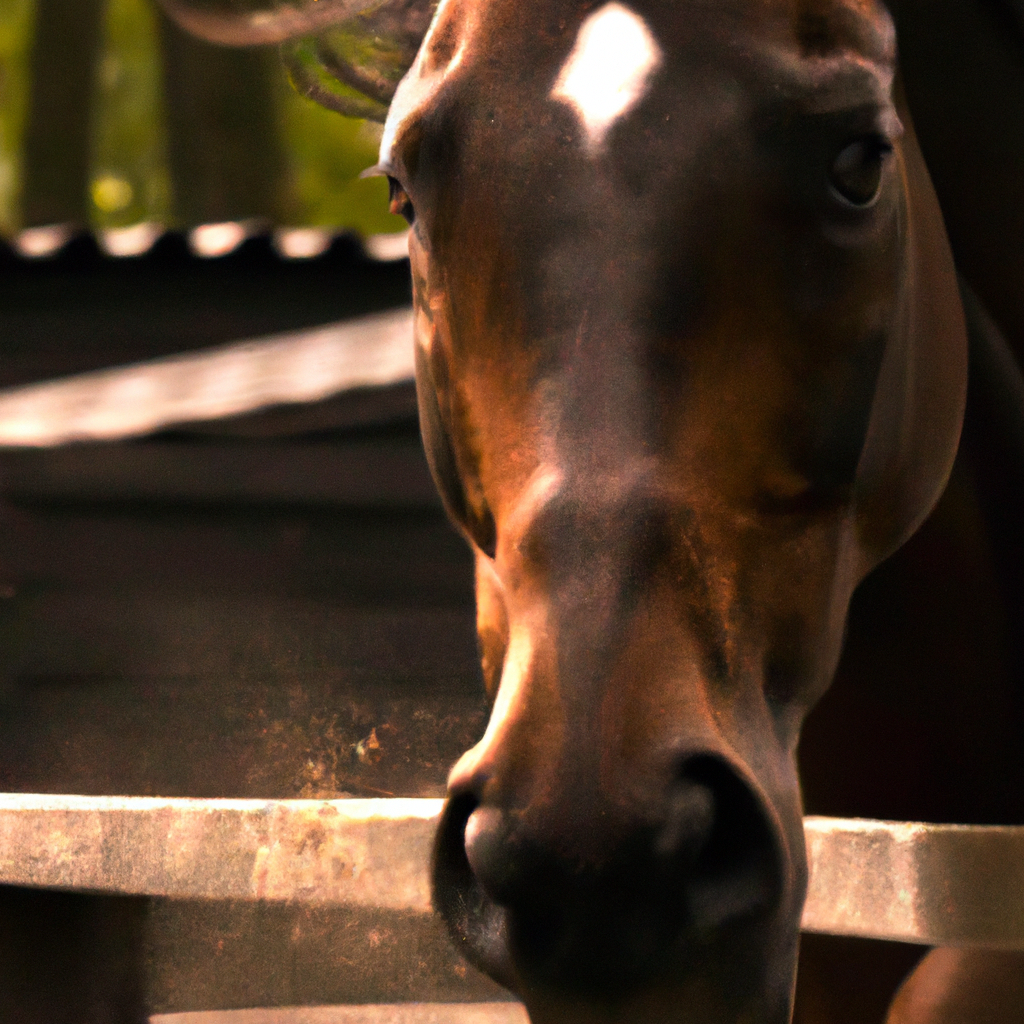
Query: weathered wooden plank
(292, 368)
(356, 852)
(904, 881)
(233, 954)
(958, 885)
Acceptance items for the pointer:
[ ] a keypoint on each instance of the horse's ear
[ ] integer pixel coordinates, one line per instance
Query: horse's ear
(962, 64)
(348, 55)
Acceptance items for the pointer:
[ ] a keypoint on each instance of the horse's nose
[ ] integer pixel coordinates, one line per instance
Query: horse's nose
(624, 900)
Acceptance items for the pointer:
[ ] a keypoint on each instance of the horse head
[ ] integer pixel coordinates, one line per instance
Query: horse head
(690, 361)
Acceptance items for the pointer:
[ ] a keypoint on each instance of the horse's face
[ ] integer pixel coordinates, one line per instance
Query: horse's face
(690, 362)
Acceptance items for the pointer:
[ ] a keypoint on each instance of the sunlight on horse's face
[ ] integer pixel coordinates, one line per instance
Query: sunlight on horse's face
(670, 324)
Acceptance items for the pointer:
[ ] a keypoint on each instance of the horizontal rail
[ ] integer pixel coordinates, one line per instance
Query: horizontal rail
(363, 853)
(906, 881)
(903, 881)
(229, 380)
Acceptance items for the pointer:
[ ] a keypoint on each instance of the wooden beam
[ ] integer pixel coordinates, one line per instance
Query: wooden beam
(295, 368)
(903, 881)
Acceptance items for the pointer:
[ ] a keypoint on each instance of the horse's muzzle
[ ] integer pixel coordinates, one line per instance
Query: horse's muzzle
(636, 907)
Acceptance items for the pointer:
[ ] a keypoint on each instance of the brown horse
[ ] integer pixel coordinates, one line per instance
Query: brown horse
(692, 361)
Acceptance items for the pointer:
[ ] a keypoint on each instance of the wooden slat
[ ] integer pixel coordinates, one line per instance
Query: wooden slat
(231, 380)
(361, 853)
(903, 881)
(957, 885)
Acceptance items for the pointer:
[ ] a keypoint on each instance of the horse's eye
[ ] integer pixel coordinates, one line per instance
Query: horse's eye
(400, 201)
(857, 172)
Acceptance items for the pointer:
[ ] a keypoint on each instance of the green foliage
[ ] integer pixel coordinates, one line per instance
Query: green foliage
(130, 181)
(15, 40)
(129, 178)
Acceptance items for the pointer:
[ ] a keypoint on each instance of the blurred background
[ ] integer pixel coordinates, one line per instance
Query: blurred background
(224, 569)
(111, 117)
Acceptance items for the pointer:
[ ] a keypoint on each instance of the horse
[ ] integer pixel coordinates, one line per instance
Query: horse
(692, 361)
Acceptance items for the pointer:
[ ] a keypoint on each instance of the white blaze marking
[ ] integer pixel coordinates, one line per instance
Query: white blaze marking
(608, 70)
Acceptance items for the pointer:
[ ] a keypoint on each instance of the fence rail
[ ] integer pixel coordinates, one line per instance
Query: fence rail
(903, 881)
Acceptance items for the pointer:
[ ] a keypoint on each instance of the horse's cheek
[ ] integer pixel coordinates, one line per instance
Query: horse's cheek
(915, 424)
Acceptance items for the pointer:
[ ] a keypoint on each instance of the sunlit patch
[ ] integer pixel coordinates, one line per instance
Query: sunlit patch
(609, 68)
(508, 704)
(211, 240)
(111, 193)
(386, 248)
(302, 243)
(231, 380)
(42, 242)
(135, 240)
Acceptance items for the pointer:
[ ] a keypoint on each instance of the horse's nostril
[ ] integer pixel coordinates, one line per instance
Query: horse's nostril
(736, 869)
(604, 916)
(452, 873)
(475, 921)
